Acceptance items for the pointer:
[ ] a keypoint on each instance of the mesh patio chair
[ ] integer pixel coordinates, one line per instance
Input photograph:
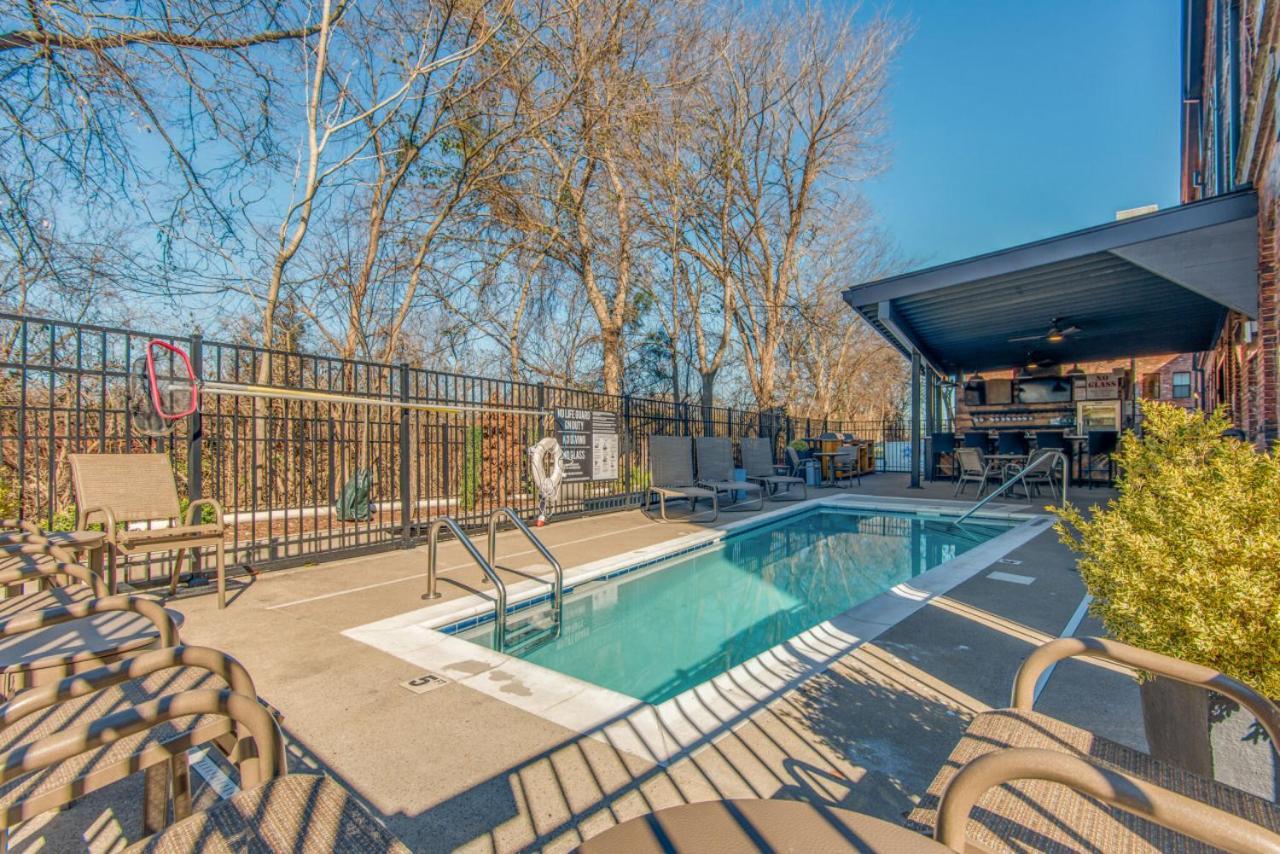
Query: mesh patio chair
(844, 465)
(757, 459)
(291, 814)
(803, 468)
(36, 574)
(974, 468)
(117, 489)
(1043, 473)
(45, 711)
(715, 471)
(671, 476)
(41, 646)
(54, 768)
(1042, 810)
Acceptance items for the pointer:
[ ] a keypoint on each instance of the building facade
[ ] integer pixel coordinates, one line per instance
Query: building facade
(1231, 88)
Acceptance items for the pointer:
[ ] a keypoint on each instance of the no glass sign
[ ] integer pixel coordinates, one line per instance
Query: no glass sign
(589, 438)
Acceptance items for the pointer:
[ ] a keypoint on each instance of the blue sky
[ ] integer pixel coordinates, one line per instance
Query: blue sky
(1013, 120)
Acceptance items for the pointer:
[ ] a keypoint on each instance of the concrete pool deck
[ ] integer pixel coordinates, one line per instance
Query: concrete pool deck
(459, 768)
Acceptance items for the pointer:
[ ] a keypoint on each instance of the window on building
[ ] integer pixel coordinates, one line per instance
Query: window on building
(1181, 385)
(1151, 386)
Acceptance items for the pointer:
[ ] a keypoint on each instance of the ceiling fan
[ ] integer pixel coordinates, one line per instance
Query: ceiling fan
(1057, 331)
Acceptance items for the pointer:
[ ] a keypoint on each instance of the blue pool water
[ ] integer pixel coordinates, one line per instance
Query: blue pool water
(663, 629)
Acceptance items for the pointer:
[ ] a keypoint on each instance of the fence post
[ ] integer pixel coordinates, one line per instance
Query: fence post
(406, 495)
(195, 426)
(630, 440)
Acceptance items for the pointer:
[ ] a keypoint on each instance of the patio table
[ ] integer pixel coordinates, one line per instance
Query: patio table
(711, 827)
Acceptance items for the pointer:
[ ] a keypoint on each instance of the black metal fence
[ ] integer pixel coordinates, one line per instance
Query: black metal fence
(279, 464)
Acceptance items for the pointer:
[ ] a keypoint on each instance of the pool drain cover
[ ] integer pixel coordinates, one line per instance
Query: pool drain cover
(424, 683)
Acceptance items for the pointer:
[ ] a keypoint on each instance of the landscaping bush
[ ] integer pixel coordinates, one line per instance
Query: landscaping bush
(1186, 561)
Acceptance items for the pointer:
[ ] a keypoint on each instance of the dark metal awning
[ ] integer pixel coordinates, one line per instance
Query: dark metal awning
(1154, 284)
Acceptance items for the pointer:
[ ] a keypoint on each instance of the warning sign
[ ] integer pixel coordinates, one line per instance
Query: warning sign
(589, 439)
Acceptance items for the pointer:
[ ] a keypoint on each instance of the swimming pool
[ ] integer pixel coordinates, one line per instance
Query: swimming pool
(657, 631)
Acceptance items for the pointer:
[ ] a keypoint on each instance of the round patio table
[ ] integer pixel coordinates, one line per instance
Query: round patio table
(721, 827)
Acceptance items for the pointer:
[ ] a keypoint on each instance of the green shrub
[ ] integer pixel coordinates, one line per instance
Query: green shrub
(1186, 561)
(472, 458)
(799, 445)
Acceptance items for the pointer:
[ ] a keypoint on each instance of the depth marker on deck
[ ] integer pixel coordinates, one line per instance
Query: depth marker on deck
(1010, 577)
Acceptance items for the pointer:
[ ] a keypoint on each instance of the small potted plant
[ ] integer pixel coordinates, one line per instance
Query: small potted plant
(1186, 562)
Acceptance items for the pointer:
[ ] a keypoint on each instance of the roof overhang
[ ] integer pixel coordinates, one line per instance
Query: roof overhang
(1160, 283)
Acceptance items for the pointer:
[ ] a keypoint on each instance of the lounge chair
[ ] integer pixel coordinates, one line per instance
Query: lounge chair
(757, 459)
(116, 489)
(1043, 813)
(291, 814)
(42, 712)
(42, 646)
(715, 471)
(83, 757)
(671, 475)
(36, 574)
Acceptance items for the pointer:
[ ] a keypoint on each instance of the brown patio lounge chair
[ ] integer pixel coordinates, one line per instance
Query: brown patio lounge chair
(116, 489)
(715, 472)
(36, 574)
(82, 757)
(292, 814)
(42, 712)
(671, 475)
(1043, 813)
(41, 646)
(757, 459)
(974, 468)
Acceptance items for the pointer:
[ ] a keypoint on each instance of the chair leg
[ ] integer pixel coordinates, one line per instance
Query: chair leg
(222, 575)
(177, 570)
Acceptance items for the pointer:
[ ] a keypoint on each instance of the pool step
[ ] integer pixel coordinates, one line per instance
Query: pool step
(527, 635)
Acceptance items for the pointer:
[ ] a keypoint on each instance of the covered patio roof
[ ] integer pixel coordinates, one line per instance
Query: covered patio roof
(1154, 284)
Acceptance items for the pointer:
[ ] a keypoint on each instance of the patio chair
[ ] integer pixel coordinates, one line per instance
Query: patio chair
(42, 712)
(974, 468)
(671, 476)
(757, 459)
(116, 489)
(290, 814)
(715, 471)
(845, 465)
(85, 756)
(41, 646)
(802, 468)
(1039, 812)
(36, 574)
(1043, 473)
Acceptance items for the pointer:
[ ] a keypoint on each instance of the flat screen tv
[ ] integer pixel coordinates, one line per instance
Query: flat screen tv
(1044, 390)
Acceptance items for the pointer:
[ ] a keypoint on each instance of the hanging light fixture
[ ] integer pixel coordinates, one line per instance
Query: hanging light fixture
(1075, 371)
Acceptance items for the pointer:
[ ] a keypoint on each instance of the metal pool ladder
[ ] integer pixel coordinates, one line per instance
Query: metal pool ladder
(524, 635)
(530, 633)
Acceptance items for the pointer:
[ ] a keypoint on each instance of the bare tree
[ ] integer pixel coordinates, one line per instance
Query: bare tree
(808, 87)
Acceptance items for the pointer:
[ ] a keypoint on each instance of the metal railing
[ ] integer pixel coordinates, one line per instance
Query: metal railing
(282, 437)
(499, 588)
(1051, 457)
(557, 584)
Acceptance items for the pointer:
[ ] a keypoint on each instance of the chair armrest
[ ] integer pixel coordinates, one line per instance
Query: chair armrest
(109, 520)
(1024, 684)
(1169, 809)
(153, 611)
(269, 761)
(41, 697)
(204, 502)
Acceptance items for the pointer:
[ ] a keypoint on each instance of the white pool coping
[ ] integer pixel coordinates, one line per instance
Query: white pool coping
(671, 729)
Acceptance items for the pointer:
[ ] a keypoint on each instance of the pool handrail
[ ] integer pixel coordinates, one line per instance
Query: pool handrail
(557, 586)
(1053, 456)
(500, 589)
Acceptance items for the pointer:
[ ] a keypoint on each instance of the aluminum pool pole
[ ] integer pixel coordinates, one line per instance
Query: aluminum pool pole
(915, 419)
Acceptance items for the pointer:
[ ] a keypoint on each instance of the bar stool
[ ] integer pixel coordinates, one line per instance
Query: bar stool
(1101, 443)
(1011, 442)
(940, 445)
(977, 440)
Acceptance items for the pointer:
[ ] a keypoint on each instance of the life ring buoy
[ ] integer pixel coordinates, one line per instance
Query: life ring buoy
(548, 483)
